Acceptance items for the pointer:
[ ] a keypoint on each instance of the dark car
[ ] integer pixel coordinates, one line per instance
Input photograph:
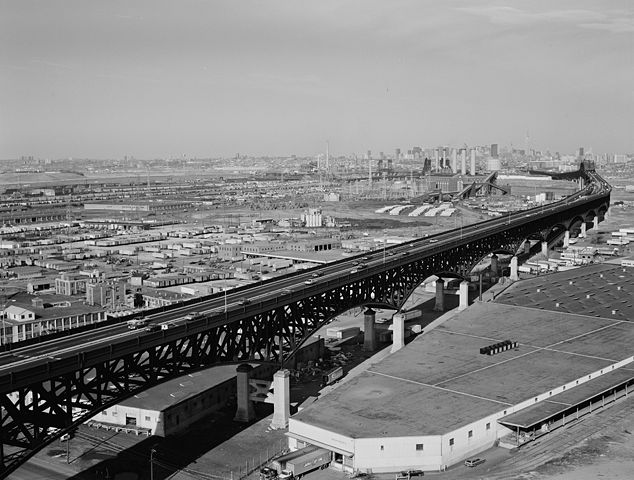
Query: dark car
(152, 327)
(267, 473)
(412, 473)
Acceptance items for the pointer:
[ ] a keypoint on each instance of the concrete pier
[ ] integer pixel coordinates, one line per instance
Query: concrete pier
(514, 270)
(464, 295)
(398, 332)
(369, 333)
(440, 296)
(281, 399)
(245, 411)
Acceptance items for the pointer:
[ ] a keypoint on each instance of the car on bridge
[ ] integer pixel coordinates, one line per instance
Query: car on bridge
(309, 281)
(136, 323)
(167, 326)
(192, 316)
(244, 301)
(152, 327)
(317, 274)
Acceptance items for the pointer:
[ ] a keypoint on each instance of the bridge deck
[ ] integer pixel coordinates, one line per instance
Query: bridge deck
(440, 381)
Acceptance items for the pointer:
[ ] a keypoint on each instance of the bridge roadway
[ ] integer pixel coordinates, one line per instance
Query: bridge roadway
(220, 309)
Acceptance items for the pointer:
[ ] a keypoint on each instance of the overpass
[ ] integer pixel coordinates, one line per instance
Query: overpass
(52, 386)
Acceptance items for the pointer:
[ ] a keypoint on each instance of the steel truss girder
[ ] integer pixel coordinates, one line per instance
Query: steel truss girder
(33, 416)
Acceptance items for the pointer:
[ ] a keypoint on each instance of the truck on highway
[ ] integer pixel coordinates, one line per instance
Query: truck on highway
(136, 323)
(296, 464)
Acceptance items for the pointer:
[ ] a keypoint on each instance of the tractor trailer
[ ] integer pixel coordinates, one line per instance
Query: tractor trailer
(297, 463)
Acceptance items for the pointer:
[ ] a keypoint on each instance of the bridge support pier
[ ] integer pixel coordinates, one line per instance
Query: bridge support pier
(245, 411)
(398, 332)
(595, 223)
(464, 295)
(566, 238)
(494, 266)
(514, 270)
(545, 249)
(440, 296)
(369, 334)
(281, 399)
(582, 234)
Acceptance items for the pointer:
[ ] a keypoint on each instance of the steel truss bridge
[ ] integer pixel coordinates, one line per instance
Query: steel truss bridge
(51, 387)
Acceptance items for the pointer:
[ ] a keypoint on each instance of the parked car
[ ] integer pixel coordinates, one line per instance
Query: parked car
(473, 462)
(407, 474)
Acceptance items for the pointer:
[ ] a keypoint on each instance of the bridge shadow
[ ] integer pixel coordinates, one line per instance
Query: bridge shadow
(101, 460)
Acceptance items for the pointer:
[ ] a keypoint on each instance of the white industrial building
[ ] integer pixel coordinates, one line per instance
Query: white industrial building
(456, 391)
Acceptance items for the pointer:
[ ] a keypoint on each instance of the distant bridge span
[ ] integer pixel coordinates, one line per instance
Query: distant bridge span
(51, 387)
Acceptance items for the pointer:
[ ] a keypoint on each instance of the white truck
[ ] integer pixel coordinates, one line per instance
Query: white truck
(296, 464)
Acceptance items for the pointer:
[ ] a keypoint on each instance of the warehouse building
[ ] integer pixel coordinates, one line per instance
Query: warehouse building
(460, 388)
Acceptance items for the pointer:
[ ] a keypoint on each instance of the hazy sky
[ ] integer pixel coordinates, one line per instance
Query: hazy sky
(156, 78)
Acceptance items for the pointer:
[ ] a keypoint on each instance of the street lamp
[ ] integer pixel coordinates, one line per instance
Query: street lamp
(225, 275)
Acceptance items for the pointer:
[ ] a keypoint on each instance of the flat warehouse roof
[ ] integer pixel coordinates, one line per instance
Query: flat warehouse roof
(542, 411)
(440, 381)
(174, 391)
(609, 287)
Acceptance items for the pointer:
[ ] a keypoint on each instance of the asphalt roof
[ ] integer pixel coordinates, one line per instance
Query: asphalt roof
(440, 381)
(166, 394)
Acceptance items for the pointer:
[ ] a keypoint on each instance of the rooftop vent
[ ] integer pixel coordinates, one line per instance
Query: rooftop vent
(613, 312)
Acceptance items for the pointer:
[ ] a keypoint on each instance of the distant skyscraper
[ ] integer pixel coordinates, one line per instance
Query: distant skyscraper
(463, 161)
(397, 154)
(581, 153)
(494, 150)
(473, 162)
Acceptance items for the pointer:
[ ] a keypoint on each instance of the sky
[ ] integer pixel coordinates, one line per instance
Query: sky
(213, 78)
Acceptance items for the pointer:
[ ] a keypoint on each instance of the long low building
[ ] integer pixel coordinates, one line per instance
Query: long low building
(458, 389)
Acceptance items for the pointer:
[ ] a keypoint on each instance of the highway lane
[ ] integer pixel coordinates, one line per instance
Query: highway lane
(282, 288)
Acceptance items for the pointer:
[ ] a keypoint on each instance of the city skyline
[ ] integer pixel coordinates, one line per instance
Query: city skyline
(212, 79)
